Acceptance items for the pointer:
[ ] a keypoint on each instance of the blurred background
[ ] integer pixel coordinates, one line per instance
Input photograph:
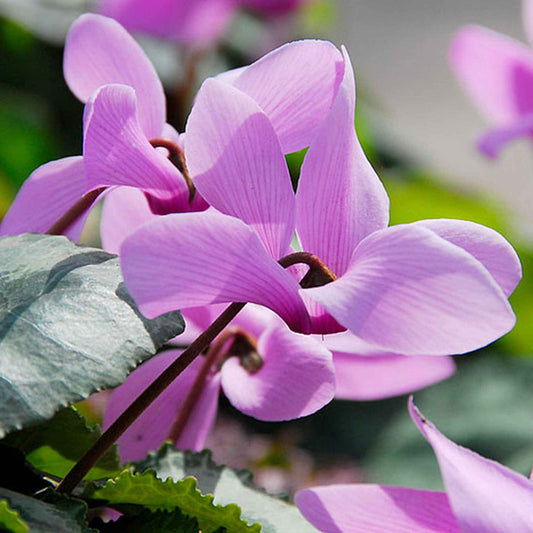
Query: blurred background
(418, 128)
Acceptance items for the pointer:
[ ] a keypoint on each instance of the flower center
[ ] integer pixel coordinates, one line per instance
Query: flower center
(319, 273)
(239, 343)
(177, 157)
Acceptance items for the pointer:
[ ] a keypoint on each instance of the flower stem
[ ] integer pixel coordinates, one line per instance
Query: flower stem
(123, 422)
(75, 212)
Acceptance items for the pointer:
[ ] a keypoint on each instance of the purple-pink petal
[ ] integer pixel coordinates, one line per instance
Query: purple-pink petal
(340, 199)
(195, 259)
(295, 85)
(497, 138)
(185, 21)
(413, 293)
(376, 509)
(496, 71)
(296, 379)
(151, 429)
(117, 152)
(272, 7)
(527, 18)
(485, 244)
(46, 196)
(99, 51)
(125, 209)
(237, 164)
(486, 497)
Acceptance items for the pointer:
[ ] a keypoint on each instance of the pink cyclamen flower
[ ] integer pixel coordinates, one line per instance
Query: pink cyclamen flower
(125, 111)
(196, 23)
(434, 287)
(497, 72)
(482, 496)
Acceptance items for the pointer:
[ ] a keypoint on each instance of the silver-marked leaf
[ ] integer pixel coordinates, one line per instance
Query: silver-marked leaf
(228, 486)
(68, 327)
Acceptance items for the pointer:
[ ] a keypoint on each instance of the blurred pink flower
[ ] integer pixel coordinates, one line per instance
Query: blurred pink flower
(482, 496)
(497, 72)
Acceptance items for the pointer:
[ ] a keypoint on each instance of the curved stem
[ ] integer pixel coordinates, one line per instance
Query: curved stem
(123, 422)
(75, 212)
(319, 273)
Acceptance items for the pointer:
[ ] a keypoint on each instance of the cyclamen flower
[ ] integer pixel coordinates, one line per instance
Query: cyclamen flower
(433, 287)
(197, 22)
(296, 379)
(482, 496)
(497, 72)
(125, 117)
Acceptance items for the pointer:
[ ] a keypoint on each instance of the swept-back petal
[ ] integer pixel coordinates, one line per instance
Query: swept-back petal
(46, 196)
(296, 379)
(485, 495)
(150, 430)
(414, 293)
(194, 22)
(117, 152)
(237, 165)
(99, 51)
(295, 85)
(374, 508)
(125, 209)
(496, 71)
(340, 199)
(486, 245)
(195, 259)
(496, 139)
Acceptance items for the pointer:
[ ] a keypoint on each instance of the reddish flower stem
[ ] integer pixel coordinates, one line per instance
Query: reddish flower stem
(123, 422)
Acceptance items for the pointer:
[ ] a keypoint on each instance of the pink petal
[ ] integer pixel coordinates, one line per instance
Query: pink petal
(492, 142)
(363, 377)
(195, 259)
(413, 293)
(374, 508)
(99, 51)
(496, 71)
(485, 496)
(340, 199)
(296, 379)
(527, 17)
(116, 151)
(125, 209)
(196, 22)
(235, 159)
(272, 7)
(150, 430)
(46, 196)
(486, 245)
(295, 85)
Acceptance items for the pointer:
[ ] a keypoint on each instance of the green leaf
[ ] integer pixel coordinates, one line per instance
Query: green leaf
(228, 486)
(10, 520)
(68, 327)
(149, 491)
(481, 407)
(56, 445)
(57, 514)
(150, 522)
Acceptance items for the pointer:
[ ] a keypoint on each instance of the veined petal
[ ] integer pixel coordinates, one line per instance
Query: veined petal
(374, 508)
(195, 259)
(117, 152)
(495, 139)
(296, 379)
(413, 293)
(496, 71)
(196, 22)
(340, 199)
(151, 429)
(46, 196)
(99, 51)
(295, 85)
(486, 245)
(485, 495)
(237, 165)
(125, 209)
